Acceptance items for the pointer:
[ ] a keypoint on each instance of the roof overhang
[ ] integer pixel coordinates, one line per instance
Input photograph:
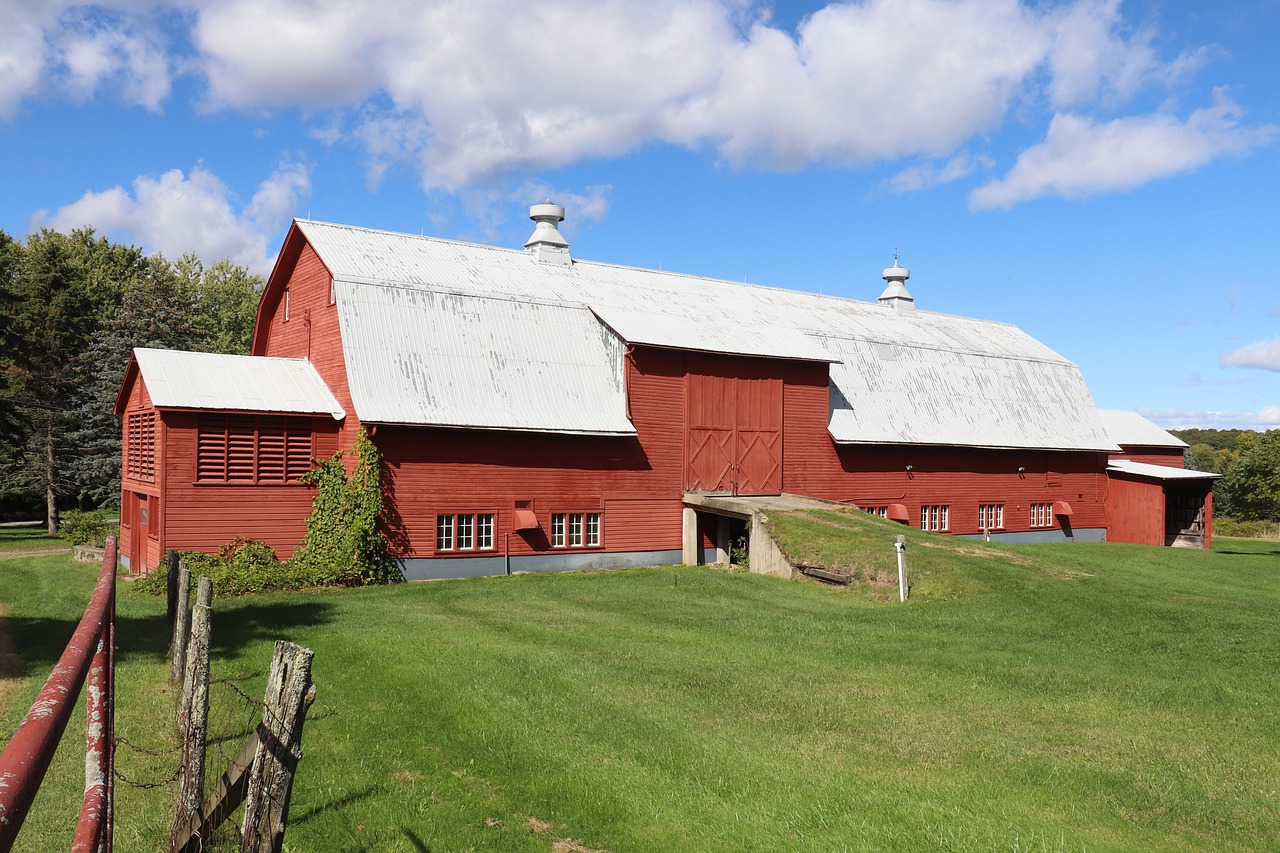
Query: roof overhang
(1158, 472)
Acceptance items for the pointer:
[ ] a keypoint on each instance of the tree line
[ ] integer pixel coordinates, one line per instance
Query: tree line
(1250, 464)
(72, 308)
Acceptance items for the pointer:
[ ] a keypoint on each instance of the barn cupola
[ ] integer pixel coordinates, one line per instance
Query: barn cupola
(895, 293)
(546, 244)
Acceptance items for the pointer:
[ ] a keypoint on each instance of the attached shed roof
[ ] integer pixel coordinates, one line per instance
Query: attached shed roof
(202, 380)
(914, 377)
(1132, 429)
(1158, 472)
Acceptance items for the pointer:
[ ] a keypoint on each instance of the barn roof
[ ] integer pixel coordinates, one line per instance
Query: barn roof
(1158, 472)
(427, 319)
(1131, 428)
(202, 380)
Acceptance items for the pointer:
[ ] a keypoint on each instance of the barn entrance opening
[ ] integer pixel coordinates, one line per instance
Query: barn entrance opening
(1184, 518)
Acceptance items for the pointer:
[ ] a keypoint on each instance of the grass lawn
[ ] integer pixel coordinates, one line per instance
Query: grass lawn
(1066, 697)
(28, 538)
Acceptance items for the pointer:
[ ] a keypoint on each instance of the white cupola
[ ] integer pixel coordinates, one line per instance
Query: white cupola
(895, 293)
(546, 244)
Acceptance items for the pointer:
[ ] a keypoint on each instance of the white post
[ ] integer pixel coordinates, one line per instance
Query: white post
(901, 547)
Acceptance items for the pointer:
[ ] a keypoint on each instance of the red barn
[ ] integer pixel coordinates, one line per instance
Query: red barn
(537, 412)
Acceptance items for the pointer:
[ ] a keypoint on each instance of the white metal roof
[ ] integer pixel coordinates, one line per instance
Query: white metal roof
(203, 380)
(902, 377)
(418, 356)
(1131, 428)
(1159, 472)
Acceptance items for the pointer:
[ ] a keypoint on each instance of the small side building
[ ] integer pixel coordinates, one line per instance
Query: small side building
(213, 449)
(1152, 499)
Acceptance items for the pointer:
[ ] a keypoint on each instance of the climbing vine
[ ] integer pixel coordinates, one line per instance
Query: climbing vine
(344, 543)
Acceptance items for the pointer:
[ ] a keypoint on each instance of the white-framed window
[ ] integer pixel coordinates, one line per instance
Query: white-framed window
(286, 302)
(990, 516)
(1042, 515)
(935, 517)
(881, 511)
(464, 531)
(575, 529)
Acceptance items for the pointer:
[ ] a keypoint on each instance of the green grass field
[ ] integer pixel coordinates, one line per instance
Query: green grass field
(1065, 697)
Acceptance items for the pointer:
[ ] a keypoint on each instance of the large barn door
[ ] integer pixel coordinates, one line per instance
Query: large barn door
(734, 428)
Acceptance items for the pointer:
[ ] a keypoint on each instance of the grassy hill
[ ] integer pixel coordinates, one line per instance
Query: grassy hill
(1066, 697)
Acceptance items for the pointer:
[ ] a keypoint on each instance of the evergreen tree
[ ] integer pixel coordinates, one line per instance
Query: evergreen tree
(64, 287)
(156, 311)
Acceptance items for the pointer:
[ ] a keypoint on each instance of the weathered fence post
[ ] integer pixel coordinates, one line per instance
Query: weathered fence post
(289, 694)
(171, 592)
(181, 624)
(193, 719)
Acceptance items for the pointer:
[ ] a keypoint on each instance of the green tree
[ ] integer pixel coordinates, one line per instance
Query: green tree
(1253, 480)
(155, 311)
(63, 288)
(224, 302)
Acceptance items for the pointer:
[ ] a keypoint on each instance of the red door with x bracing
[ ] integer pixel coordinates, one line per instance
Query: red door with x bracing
(733, 417)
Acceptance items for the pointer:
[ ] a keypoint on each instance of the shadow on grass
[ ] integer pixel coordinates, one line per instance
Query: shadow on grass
(1265, 551)
(417, 842)
(41, 641)
(347, 799)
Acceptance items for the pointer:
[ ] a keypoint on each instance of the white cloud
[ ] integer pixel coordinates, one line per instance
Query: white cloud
(1260, 354)
(176, 213)
(1266, 418)
(468, 90)
(1081, 157)
(916, 178)
(81, 50)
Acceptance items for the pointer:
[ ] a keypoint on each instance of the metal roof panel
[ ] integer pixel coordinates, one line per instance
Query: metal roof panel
(1131, 428)
(202, 380)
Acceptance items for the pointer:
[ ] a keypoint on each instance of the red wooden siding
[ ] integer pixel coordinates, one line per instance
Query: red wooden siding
(204, 516)
(1169, 456)
(312, 330)
(1136, 510)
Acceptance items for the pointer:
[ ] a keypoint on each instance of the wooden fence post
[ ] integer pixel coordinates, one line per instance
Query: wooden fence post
(181, 624)
(193, 719)
(171, 592)
(289, 694)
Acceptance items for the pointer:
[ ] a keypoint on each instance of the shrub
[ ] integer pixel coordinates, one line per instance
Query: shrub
(86, 528)
(1246, 529)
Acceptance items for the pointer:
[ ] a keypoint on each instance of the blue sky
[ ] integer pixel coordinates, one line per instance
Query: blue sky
(1103, 174)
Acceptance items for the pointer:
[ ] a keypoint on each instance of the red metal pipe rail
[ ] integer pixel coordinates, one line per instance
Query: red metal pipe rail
(27, 756)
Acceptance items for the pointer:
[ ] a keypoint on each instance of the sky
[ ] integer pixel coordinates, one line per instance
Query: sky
(1103, 174)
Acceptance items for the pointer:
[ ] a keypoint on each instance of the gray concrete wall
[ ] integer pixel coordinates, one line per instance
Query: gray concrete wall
(420, 569)
(766, 558)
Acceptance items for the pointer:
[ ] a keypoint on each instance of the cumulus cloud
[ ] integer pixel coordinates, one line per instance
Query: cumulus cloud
(468, 90)
(1082, 157)
(196, 212)
(80, 50)
(1260, 354)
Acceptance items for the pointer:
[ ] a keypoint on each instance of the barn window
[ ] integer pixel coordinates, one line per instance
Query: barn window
(881, 511)
(934, 517)
(1042, 515)
(575, 529)
(286, 303)
(990, 516)
(464, 531)
(141, 449)
(252, 449)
